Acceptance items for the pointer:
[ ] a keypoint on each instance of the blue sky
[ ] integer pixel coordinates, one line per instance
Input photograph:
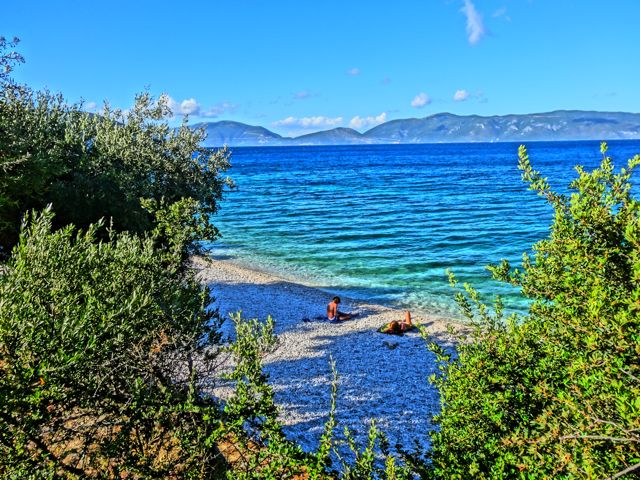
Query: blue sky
(301, 66)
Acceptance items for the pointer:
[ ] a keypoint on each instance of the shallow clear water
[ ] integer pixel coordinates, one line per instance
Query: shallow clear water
(383, 222)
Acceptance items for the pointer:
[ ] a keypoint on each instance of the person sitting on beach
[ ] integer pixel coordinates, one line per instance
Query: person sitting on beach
(398, 328)
(333, 314)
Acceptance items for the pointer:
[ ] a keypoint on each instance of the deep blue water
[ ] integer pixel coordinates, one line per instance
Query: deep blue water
(383, 222)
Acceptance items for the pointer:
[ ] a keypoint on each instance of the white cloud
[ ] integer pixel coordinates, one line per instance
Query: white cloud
(460, 95)
(301, 95)
(90, 106)
(307, 122)
(286, 122)
(475, 27)
(353, 71)
(190, 106)
(359, 122)
(420, 100)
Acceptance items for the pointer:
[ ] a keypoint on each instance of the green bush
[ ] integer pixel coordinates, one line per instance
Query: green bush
(102, 355)
(106, 165)
(555, 394)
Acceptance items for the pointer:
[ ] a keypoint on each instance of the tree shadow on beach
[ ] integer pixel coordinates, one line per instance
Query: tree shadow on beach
(383, 378)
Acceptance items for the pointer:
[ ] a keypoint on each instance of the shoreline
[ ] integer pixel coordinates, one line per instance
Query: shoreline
(382, 378)
(308, 282)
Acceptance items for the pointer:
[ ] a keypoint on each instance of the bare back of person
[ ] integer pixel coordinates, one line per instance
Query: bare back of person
(333, 314)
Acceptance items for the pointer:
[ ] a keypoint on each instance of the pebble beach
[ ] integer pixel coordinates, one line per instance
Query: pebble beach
(382, 378)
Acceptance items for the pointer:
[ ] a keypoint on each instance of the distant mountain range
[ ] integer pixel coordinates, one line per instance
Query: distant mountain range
(445, 128)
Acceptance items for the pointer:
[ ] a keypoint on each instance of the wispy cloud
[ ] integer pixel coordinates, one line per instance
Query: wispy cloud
(219, 109)
(605, 94)
(353, 71)
(460, 95)
(358, 122)
(475, 26)
(502, 13)
(192, 107)
(90, 106)
(307, 122)
(301, 95)
(420, 100)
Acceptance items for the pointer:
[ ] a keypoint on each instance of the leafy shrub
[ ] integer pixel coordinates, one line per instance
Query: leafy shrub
(106, 165)
(102, 354)
(555, 394)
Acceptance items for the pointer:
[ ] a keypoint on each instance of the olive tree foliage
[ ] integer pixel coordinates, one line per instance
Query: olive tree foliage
(123, 166)
(554, 394)
(103, 355)
(8, 58)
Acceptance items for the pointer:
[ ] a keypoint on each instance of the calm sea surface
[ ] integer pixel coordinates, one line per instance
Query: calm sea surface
(383, 222)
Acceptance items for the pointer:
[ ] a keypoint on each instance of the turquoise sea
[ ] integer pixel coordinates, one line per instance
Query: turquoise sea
(383, 222)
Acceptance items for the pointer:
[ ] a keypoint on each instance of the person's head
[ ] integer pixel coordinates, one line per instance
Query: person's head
(336, 300)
